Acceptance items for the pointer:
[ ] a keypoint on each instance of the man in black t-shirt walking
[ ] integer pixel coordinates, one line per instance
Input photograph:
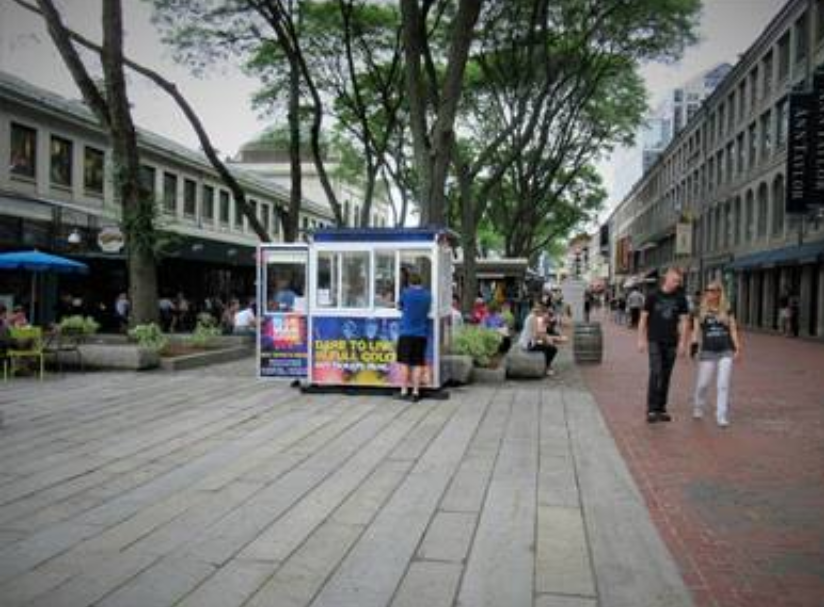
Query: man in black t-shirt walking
(663, 331)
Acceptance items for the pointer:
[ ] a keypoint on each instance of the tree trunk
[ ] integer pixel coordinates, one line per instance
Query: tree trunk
(126, 172)
(469, 240)
(368, 194)
(292, 229)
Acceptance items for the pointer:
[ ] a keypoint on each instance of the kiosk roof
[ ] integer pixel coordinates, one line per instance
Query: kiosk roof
(378, 234)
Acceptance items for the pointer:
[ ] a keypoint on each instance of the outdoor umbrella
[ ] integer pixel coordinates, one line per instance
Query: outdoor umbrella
(37, 262)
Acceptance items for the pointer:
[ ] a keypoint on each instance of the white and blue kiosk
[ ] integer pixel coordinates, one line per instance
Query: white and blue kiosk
(328, 307)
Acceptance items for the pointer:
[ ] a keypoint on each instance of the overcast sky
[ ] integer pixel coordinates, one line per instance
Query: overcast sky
(728, 27)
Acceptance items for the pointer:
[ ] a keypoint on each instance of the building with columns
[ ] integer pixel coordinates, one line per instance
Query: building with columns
(714, 201)
(56, 195)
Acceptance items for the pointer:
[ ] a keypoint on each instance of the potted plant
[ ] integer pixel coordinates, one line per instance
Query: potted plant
(482, 345)
(206, 333)
(78, 328)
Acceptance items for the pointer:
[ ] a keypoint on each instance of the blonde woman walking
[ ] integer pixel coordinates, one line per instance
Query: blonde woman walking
(716, 341)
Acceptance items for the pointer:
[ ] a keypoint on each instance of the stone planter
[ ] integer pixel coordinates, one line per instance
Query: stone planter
(483, 375)
(112, 356)
(204, 358)
(456, 368)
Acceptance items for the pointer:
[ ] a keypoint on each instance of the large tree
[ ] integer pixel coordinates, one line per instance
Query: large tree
(111, 108)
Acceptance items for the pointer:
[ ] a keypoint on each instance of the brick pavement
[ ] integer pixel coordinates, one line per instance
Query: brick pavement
(741, 509)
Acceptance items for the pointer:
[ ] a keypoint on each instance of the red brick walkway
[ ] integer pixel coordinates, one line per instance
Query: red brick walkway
(741, 509)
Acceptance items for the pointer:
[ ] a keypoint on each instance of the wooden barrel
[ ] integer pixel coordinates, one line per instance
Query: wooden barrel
(588, 342)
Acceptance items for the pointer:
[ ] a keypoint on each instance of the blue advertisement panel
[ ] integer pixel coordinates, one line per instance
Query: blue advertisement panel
(360, 352)
(283, 345)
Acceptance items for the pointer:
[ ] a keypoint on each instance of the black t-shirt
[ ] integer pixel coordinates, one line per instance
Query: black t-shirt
(665, 311)
(715, 335)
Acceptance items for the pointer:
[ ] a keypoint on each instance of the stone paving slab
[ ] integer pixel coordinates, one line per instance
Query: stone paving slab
(208, 487)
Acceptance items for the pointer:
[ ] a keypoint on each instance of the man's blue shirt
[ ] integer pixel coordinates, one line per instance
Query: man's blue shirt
(415, 303)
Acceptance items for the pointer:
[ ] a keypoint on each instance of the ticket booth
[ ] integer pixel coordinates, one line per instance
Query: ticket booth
(332, 305)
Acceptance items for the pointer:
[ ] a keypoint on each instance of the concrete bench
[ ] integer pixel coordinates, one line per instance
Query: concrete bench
(523, 364)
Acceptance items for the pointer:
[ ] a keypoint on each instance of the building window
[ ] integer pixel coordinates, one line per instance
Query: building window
(208, 205)
(61, 161)
(778, 206)
(23, 159)
(767, 70)
(731, 113)
(224, 208)
(766, 136)
(742, 101)
(728, 224)
(721, 117)
(189, 198)
(800, 37)
(763, 207)
(754, 88)
(737, 221)
(170, 193)
(782, 119)
(742, 154)
(147, 182)
(238, 216)
(752, 133)
(93, 160)
(819, 20)
(784, 57)
(749, 221)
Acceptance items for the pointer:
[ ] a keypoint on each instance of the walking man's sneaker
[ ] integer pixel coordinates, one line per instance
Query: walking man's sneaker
(652, 417)
(664, 416)
(723, 422)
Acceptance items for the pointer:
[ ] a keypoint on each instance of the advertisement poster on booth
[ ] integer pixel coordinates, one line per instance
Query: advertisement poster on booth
(283, 345)
(359, 352)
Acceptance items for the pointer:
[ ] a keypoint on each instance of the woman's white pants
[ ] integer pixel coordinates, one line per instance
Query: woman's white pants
(706, 369)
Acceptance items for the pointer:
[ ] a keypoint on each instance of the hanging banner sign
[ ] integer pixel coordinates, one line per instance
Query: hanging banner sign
(817, 151)
(800, 142)
(683, 238)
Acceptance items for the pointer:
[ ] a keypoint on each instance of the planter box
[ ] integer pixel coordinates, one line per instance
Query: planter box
(456, 368)
(489, 376)
(112, 356)
(206, 357)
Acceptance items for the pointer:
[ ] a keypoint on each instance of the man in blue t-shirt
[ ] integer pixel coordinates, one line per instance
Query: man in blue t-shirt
(414, 303)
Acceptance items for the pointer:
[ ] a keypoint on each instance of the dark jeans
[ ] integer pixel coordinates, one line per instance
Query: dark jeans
(549, 352)
(661, 361)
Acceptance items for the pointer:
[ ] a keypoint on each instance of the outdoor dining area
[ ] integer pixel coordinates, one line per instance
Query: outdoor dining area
(25, 345)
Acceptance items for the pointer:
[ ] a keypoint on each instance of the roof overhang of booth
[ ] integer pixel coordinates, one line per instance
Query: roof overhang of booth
(428, 235)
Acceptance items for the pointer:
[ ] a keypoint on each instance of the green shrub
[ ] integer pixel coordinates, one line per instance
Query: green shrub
(206, 331)
(478, 342)
(149, 336)
(77, 325)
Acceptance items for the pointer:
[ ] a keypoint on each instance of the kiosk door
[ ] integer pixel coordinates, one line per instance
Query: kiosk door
(283, 305)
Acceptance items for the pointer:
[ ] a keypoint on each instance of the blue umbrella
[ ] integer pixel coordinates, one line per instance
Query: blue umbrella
(36, 262)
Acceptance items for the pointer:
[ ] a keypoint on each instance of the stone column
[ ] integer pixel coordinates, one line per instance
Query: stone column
(743, 297)
(805, 300)
(820, 323)
(754, 291)
(768, 300)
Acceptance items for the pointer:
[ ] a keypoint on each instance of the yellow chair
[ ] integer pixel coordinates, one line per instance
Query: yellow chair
(27, 342)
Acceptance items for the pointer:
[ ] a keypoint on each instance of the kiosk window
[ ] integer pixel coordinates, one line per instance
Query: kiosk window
(327, 291)
(385, 279)
(355, 279)
(285, 284)
(419, 262)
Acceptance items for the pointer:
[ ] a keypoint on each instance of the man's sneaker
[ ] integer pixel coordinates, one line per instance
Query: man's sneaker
(652, 417)
(664, 416)
(723, 422)
(697, 413)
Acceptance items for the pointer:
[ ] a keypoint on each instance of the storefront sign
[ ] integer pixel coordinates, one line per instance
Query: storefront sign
(283, 345)
(359, 351)
(683, 238)
(817, 151)
(111, 240)
(800, 144)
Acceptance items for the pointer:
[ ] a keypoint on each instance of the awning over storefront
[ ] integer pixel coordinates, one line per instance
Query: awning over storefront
(806, 253)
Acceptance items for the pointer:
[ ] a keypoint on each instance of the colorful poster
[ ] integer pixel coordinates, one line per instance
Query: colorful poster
(359, 351)
(283, 345)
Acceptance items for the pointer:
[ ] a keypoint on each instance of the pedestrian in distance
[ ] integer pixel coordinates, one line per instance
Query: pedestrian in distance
(415, 302)
(716, 341)
(122, 310)
(635, 303)
(663, 332)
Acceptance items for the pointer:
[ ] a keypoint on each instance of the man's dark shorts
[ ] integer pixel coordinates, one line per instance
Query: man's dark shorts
(412, 350)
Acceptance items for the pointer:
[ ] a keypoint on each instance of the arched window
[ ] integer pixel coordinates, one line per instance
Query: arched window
(778, 206)
(737, 221)
(763, 206)
(749, 220)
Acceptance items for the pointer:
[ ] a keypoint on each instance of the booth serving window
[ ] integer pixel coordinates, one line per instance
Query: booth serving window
(355, 279)
(416, 262)
(327, 287)
(385, 279)
(286, 283)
